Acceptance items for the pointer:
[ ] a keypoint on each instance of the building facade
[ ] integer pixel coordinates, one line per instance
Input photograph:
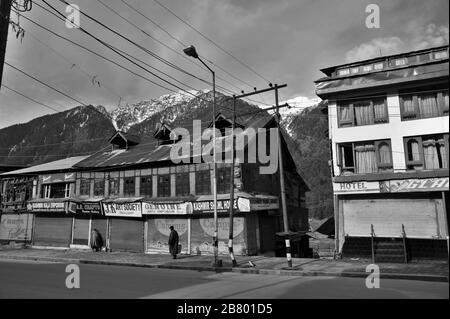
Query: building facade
(388, 130)
(132, 192)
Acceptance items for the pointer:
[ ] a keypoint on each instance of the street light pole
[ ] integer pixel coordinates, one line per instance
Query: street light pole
(191, 51)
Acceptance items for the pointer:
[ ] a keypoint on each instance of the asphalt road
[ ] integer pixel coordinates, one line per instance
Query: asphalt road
(48, 280)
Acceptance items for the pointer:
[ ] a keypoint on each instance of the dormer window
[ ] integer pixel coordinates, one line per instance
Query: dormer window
(122, 140)
(163, 133)
(222, 123)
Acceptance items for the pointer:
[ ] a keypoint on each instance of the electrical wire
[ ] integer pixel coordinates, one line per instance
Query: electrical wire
(214, 43)
(29, 98)
(43, 83)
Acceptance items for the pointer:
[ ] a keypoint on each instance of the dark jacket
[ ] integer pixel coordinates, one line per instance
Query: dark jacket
(173, 242)
(96, 239)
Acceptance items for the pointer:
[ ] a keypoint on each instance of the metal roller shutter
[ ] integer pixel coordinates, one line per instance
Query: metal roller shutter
(52, 230)
(127, 234)
(420, 217)
(81, 230)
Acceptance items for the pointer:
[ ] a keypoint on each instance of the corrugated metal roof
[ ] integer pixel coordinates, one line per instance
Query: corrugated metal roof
(148, 151)
(63, 164)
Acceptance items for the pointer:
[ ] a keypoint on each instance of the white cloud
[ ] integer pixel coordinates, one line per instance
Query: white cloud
(416, 39)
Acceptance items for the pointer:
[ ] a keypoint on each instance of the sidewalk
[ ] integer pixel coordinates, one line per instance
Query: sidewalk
(424, 270)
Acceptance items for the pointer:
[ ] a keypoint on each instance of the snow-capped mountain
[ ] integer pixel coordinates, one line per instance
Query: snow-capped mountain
(126, 116)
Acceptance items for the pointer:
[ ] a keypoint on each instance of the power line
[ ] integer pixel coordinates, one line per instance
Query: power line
(73, 65)
(97, 54)
(114, 49)
(29, 98)
(185, 45)
(215, 44)
(45, 84)
(62, 17)
(163, 44)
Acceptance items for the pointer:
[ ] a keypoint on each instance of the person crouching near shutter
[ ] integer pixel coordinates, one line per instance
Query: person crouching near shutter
(96, 240)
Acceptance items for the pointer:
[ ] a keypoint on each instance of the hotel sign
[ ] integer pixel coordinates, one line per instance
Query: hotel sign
(152, 208)
(123, 209)
(356, 187)
(415, 185)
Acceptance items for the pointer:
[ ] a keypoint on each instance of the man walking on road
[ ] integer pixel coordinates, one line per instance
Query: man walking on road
(173, 242)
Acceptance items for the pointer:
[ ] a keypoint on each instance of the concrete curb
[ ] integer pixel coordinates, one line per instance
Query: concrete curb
(280, 272)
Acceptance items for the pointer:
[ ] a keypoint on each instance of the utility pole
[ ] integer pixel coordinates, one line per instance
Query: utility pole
(230, 236)
(281, 169)
(283, 189)
(5, 10)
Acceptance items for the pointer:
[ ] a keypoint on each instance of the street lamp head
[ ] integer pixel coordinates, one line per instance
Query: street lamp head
(190, 51)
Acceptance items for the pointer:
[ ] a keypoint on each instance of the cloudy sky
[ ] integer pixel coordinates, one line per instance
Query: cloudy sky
(283, 41)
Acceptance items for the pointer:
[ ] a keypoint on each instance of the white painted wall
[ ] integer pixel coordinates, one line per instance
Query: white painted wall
(395, 130)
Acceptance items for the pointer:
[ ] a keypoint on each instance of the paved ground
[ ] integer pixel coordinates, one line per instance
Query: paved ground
(425, 270)
(30, 279)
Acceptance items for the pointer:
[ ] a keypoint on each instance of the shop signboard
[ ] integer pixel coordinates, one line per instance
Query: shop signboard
(415, 185)
(207, 206)
(257, 203)
(123, 209)
(57, 178)
(46, 206)
(166, 208)
(84, 208)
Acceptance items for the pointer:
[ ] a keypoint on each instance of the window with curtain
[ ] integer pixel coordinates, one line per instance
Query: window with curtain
(445, 102)
(345, 115)
(409, 108)
(427, 152)
(384, 154)
(425, 102)
(434, 154)
(380, 111)
(363, 112)
(366, 161)
(428, 105)
(365, 157)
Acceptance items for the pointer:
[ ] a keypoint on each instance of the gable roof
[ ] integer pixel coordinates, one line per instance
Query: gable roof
(127, 139)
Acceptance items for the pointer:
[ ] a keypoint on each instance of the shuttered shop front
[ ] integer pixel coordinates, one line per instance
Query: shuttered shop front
(421, 217)
(127, 234)
(52, 230)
